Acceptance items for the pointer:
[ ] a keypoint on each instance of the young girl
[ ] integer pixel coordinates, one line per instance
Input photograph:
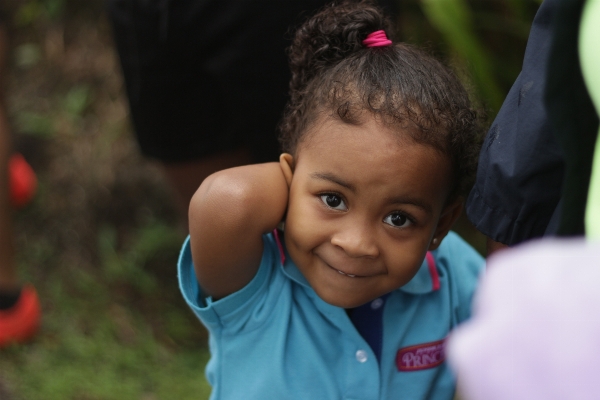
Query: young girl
(353, 299)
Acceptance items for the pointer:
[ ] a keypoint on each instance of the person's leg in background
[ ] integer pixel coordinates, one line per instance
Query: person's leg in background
(19, 305)
(169, 53)
(8, 270)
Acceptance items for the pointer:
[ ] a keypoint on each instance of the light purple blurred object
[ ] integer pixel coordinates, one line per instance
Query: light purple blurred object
(535, 329)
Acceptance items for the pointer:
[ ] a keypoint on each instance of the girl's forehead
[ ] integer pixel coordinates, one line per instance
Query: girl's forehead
(370, 142)
(369, 130)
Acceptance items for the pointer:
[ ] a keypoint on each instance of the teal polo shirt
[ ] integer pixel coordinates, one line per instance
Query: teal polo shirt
(276, 339)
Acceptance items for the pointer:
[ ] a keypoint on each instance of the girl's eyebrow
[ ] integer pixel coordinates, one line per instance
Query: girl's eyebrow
(413, 201)
(332, 178)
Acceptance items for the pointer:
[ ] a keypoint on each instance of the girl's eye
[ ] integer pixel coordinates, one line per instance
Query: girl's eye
(397, 220)
(333, 201)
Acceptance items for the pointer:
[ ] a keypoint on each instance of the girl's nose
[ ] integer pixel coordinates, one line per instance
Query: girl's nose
(356, 241)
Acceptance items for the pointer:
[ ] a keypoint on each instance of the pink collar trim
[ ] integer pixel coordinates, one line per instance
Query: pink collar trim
(435, 278)
(279, 246)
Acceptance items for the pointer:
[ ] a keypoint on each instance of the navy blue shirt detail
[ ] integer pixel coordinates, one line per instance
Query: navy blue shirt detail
(368, 321)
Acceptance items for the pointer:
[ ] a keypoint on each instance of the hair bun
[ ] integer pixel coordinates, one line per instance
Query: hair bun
(336, 31)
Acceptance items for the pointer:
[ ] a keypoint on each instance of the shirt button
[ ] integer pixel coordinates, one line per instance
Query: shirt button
(375, 304)
(361, 356)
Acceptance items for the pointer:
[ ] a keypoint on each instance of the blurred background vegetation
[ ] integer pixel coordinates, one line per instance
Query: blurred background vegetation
(101, 238)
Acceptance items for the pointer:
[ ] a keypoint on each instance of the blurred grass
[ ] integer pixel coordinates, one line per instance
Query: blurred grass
(101, 238)
(67, 363)
(110, 333)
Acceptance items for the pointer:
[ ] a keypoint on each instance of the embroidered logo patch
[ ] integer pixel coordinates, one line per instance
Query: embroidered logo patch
(420, 356)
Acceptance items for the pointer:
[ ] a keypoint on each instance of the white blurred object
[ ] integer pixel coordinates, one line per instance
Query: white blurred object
(535, 329)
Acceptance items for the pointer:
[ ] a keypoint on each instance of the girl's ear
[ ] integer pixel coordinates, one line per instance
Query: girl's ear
(449, 216)
(286, 161)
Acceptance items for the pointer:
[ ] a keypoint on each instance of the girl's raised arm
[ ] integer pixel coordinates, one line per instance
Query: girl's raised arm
(228, 215)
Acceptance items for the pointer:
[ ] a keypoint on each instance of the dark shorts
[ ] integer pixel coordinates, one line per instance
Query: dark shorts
(206, 76)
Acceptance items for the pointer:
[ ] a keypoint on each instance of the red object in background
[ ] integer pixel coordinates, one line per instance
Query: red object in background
(22, 181)
(20, 323)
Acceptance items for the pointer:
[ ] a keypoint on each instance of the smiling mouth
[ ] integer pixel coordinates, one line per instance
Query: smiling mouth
(342, 272)
(345, 274)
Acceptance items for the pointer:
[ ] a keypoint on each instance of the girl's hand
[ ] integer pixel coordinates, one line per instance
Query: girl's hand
(228, 215)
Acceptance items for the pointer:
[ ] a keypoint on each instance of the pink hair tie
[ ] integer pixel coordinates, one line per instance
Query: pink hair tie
(377, 39)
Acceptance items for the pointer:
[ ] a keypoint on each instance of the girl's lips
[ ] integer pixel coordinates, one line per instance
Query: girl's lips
(344, 273)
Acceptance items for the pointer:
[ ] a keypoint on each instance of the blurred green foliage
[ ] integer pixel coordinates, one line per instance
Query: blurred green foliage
(27, 55)
(32, 11)
(96, 342)
(484, 41)
(129, 266)
(35, 123)
(77, 99)
(454, 20)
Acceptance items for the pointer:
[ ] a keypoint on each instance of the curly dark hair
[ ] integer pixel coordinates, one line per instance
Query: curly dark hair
(334, 74)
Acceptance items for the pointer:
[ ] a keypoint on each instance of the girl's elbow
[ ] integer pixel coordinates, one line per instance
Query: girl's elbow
(222, 200)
